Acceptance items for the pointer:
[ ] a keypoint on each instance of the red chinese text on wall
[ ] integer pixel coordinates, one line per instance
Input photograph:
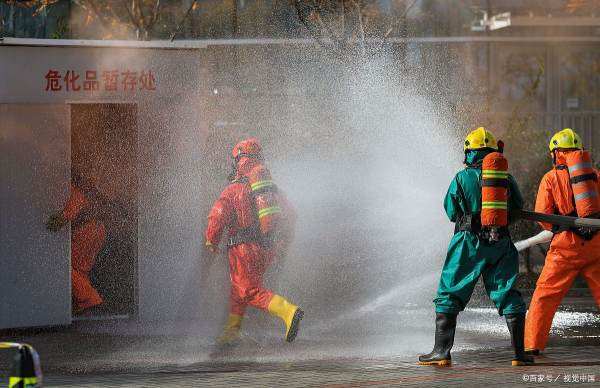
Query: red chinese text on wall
(105, 80)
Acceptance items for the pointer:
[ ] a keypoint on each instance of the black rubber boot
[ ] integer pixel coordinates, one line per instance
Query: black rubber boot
(516, 326)
(295, 326)
(532, 352)
(445, 327)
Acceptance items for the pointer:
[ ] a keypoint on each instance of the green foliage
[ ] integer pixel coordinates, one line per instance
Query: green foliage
(525, 140)
(62, 30)
(529, 161)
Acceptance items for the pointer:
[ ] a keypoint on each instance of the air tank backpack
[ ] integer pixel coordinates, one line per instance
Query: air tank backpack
(494, 196)
(583, 179)
(584, 184)
(266, 202)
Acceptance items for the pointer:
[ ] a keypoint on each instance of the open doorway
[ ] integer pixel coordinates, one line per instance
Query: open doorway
(104, 155)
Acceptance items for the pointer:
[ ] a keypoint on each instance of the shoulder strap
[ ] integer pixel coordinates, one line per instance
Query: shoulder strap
(557, 168)
(242, 179)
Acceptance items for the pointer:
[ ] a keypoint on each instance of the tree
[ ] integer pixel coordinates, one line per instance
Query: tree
(122, 18)
(528, 158)
(142, 15)
(344, 26)
(39, 5)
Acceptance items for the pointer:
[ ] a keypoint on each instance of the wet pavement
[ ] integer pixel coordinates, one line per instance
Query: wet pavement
(561, 366)
(371, 347)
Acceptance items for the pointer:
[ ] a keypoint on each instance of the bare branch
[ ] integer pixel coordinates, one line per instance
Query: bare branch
(318, 38)
(92, 6)
(155, 13)
(132, 17)
(397, 22)
(343, 15)
(395, 25)
(332, 35)
(141, 13)
(361, 30)
(335, 45)
(530, 91)
(185, 16)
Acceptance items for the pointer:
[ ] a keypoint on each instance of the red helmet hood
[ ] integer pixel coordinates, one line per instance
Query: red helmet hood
(248, 147)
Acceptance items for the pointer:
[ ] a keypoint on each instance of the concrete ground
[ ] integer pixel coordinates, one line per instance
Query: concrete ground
(373, 348)
(562, 366)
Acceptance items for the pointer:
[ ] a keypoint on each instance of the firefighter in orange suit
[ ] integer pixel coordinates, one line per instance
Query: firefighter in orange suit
(251, 248)
(572, 252)
(88, 236)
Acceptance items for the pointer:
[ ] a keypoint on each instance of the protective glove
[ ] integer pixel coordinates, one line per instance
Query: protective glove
(56, 222)
(212, 249)
(585, 233)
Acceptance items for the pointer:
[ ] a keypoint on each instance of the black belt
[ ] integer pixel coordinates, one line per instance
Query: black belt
(585, 233)
(472, 223)
(250, 235)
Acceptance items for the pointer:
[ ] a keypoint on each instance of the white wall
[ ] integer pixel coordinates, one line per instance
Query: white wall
(34, 175)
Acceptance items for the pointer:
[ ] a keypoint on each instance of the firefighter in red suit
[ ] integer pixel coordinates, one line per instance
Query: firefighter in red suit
(250, 250)
(88, 236)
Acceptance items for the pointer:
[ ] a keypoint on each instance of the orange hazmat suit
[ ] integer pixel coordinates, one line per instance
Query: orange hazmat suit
(87, 239)
(569, 255)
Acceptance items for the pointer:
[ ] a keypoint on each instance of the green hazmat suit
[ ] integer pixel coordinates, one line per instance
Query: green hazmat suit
(468, 257)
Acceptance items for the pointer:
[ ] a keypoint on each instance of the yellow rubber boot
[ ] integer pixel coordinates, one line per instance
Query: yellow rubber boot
(290, 314)
(231, 331)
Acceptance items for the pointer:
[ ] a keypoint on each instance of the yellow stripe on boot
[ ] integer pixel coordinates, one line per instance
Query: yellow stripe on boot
(231, 331)
(289, 313)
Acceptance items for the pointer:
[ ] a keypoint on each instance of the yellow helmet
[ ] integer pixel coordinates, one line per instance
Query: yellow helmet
(480, 138)
(567, 138)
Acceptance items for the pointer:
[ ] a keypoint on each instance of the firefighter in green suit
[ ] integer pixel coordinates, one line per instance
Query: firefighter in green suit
(472, 253)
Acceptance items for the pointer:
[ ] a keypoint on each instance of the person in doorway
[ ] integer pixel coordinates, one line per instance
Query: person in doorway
(259, 222)
(563, 190)
(88, 235)
(473, 253)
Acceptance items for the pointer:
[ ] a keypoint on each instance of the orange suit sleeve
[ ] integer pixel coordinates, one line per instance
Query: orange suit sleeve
(219, 217)
(74, 205)
(544, 202)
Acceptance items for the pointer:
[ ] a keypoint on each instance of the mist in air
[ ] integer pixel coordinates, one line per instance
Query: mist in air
(364, 151)
(365, 154)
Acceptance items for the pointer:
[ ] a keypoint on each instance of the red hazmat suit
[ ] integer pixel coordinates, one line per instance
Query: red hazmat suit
(235, 211)
(87, 238)
(569, 255)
